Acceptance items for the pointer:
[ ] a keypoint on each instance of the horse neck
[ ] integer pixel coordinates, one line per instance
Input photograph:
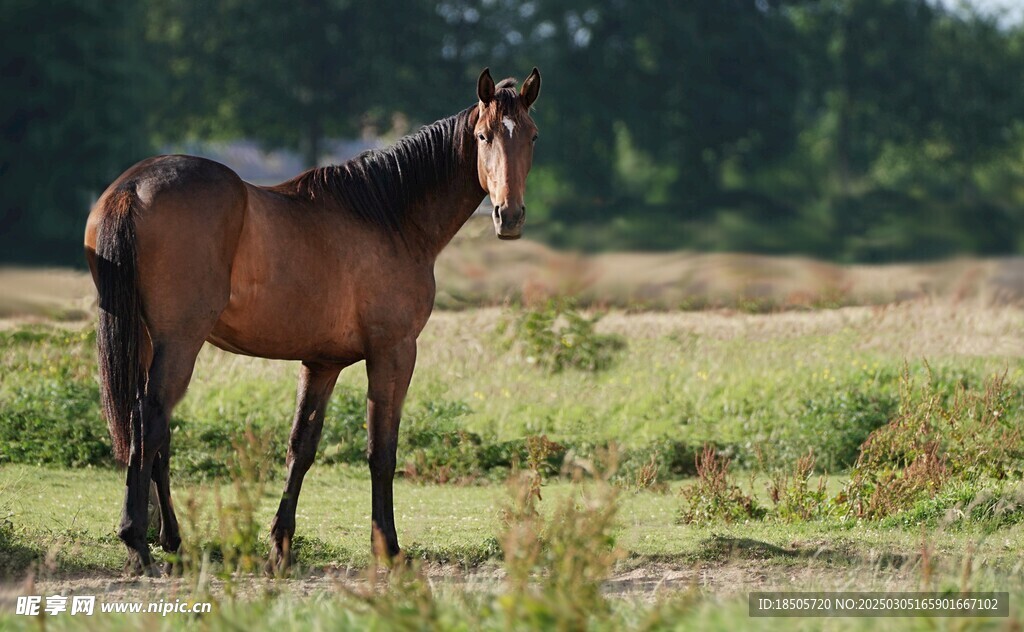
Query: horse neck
(435, 221)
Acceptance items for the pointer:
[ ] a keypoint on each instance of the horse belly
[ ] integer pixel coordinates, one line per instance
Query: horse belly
(287, 326)
(286, 310)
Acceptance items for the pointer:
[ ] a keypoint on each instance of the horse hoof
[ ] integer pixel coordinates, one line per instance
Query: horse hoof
(136, 568)
(172, 569)
(400, 560)
(277, 566)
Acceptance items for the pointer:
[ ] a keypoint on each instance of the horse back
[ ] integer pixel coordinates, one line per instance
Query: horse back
(177, 194)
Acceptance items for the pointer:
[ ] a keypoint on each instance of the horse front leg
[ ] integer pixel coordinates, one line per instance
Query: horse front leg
(388, 373)
(316, 383)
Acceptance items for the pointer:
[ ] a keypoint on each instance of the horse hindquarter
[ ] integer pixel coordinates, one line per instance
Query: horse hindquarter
(183, 216)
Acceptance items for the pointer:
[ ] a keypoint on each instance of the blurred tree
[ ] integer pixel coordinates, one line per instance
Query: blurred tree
(292, 73)
(909, 99)
(685, 86)
(71, 118)
(849, 129)
(866, 58)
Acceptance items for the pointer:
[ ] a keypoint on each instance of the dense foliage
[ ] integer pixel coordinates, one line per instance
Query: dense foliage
(849, 129)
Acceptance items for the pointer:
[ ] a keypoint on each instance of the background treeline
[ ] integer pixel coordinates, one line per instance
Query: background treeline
(854, 130)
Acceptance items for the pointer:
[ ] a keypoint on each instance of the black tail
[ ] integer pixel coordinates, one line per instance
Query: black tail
(117, 339)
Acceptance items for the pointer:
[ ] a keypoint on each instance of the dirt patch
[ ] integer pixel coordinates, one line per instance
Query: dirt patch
(645, 581)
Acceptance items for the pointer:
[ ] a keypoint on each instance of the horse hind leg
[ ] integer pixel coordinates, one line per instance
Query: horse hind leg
(169, 375)
(178, 236)
(170, 536)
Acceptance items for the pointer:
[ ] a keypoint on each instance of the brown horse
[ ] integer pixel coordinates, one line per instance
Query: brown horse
(329, 268)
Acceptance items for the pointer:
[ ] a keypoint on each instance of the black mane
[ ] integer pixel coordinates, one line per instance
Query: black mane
(378, 186)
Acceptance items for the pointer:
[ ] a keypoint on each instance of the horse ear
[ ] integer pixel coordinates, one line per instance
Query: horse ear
(531, 88)
(485, 87)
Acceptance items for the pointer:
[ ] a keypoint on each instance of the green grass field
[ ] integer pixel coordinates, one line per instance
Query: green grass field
(72, 515)
(934, 500)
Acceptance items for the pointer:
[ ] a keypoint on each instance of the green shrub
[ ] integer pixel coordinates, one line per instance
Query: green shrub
(945, 429)
(54, 421)
(794, 498)
(436, 448)
(713, 496)
(833, 422)
(344, 436)
(443, 457)
(557, 337)
(990, 506)
(202, 445)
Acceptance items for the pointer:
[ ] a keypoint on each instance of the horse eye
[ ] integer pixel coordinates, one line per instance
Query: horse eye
(535, 138)
(482, 137)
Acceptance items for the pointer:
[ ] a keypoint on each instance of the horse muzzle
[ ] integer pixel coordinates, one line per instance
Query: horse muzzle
(508, 223)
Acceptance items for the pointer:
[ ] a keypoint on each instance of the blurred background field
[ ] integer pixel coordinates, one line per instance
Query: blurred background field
(479, 271)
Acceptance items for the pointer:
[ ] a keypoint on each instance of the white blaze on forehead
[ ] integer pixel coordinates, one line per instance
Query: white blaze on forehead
(510, 124)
